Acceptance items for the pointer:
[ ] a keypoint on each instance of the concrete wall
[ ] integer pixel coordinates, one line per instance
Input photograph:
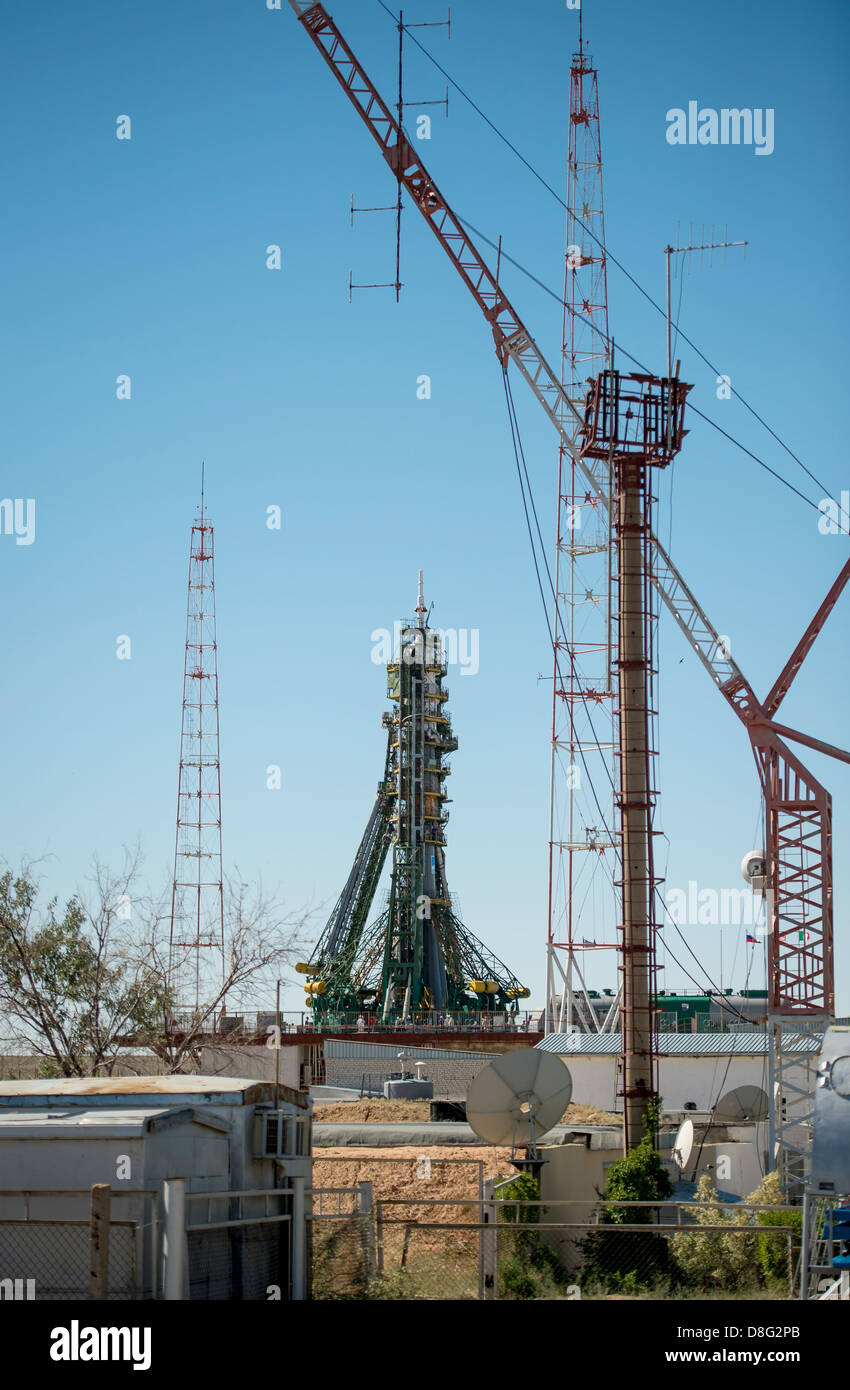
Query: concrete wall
(255, 1063)
(450, 1075)
(681, 1079)
(575, 1172)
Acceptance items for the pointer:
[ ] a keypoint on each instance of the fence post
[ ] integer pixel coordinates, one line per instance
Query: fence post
(299, 1222)
(489, 1241)
(174, 1201)
(480, 1228)
(805, 1242)
(379, 1232)
(366, 1206)
(99, 1241)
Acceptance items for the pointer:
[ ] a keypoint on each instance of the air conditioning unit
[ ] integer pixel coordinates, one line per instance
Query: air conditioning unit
(274, 1134)
(280, 1134)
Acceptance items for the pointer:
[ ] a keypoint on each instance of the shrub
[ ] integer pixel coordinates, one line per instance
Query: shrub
(528, 1268)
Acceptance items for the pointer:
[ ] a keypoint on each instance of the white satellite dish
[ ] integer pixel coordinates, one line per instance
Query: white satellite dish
(684, 1144)
(744, 1105)
(754, 869)
(518, 1097)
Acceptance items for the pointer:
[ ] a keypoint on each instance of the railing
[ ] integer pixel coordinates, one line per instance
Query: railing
(262, 1023)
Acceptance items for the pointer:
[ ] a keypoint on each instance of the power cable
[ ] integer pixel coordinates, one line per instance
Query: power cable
(644, 368)
(524, 481)
(606, 252)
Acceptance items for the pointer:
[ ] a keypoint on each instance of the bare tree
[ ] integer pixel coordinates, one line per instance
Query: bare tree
(78, 987)
(260, 942)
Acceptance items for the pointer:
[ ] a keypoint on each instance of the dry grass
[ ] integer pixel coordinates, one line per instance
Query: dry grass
(410, 1182)
(387, 1112)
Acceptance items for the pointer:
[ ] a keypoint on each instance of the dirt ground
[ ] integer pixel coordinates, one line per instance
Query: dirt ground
(400, 1172)
(415, 1111)
(410, 1177)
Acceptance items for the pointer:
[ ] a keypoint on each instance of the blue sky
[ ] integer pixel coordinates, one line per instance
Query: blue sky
(147, 257)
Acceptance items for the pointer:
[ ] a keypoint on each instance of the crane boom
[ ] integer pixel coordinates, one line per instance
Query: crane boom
(798, 812)
(789, 671)
(513, 340)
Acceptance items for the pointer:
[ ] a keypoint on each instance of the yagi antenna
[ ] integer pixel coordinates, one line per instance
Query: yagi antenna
(396, 207)
(702, 246)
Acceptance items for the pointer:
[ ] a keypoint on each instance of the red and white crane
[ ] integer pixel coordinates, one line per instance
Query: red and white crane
(798, 809)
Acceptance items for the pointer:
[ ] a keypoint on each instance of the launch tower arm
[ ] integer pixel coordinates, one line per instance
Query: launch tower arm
(340, 939)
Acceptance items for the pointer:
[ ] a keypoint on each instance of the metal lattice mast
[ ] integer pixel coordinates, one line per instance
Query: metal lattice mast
(584, 733)
(196, 939)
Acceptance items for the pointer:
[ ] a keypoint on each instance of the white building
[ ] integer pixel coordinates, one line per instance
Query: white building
(157, 1143)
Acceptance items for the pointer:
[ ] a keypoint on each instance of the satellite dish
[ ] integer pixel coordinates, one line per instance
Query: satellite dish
(684, 1143)
(744, 1105)
(754, 869)
(518, 1097)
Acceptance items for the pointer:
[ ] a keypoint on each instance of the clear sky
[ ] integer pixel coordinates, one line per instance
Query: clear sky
(147, 257)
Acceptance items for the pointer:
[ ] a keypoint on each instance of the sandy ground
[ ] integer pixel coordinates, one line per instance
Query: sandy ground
(411, 1177)
(401, 1172)
(395, 1111)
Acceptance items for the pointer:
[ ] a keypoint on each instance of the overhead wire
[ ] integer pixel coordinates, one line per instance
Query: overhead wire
(522, 471)
(606, 251)
(525, 483)
(636, 361)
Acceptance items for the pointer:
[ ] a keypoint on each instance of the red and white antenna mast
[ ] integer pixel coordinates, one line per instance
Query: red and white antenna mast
(581, 851)
(196, 938)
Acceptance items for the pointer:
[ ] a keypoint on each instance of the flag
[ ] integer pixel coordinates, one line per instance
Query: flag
(805, 936)
(752, 940)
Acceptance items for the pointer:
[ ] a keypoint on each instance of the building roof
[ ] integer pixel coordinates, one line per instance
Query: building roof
(749, 1044)
(48, 1123)
(101, 1092)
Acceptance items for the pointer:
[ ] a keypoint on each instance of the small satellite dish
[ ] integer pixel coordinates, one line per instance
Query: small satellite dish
(744, 1105)
(754, 869)
(684, 1144)
(518, 1097)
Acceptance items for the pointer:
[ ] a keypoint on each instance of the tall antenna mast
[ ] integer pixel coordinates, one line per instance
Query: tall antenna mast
(584, 735)
(196, 938)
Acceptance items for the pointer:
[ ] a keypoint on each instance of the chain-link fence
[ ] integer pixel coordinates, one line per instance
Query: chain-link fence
(239, 1245)
(246, 1262)
(505, 1249)
(48, 1259)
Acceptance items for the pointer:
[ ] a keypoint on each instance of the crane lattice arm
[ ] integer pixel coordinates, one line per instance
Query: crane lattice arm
(512, 338)
(513, 341)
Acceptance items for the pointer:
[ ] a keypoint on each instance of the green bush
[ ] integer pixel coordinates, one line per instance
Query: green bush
(528, 1268)
(623, 1261)
(737, 1259)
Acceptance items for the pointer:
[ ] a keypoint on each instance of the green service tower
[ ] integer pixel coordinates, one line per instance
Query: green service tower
(417, 961)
